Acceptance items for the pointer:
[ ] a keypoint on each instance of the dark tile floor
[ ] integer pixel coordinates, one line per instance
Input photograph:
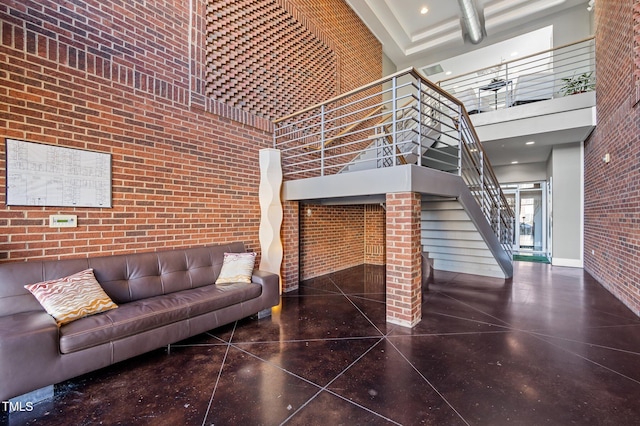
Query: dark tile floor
(550, 347)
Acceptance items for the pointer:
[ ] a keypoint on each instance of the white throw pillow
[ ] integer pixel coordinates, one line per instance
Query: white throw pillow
(236, 268)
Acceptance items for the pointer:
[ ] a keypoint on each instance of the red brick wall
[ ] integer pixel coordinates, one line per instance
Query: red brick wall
(375, 232)
(359, 52)
(266, 56)
(338, 237)
(331, 238)
(291, 242)
(122, 78)
(636, 46)
(612, 191)
(80, 76)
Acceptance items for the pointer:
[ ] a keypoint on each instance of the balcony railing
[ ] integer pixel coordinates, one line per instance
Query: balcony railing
(400, 119)
(553, 73)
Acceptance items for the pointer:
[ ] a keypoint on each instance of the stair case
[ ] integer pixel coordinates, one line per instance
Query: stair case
(405, 120)
(452, 241)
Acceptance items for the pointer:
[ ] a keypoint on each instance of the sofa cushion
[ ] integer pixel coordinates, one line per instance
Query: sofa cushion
(146, 314)
(236, 268)
(70, 298)
(213, 297)
(128, 319)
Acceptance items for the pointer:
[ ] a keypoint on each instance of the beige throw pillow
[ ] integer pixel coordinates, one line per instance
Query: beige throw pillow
(236, 268)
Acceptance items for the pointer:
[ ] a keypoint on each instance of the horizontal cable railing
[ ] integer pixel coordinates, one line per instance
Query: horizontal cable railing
(397, 120)
(553, 73)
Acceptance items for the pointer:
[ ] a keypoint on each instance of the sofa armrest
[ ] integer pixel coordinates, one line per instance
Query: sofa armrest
(28, 353)
(270, 283)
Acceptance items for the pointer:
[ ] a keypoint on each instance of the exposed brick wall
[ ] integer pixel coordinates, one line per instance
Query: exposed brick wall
(331, 238)
(375, 242)
(338, 237)
(290, 241)
(359, 52)
(359, 62)
(636, 46)
(269, 70)
(80, 76)
(122, 78)
(612, 191)
(404, 292)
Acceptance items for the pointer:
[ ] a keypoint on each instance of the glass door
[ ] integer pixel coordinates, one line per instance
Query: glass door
(528, 202)
(530, 221)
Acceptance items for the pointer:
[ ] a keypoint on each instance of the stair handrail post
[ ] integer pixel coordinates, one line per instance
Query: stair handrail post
(419, 84)
(499, 208)
(322, 139)
(460, 122)
(482, 187)
(394, 118)
(507, 93)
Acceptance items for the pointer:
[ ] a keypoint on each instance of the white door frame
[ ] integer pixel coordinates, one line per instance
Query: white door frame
(516, 189)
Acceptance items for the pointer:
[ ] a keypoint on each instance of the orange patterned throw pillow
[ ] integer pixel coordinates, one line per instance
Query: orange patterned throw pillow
(70, 298)
(236, 268)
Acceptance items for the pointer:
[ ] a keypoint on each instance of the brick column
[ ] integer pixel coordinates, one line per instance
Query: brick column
(404, 293)
(290, 232)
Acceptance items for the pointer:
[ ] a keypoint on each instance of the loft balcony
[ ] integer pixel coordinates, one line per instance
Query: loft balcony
(548, 96)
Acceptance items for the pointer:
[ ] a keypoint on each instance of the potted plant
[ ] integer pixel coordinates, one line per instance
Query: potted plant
(578, 84)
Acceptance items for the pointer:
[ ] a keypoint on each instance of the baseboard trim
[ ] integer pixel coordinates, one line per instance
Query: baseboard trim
(572, 263)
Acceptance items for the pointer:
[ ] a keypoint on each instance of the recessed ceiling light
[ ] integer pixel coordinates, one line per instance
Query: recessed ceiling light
(530, 143)
(514, 53)
(447, 73)
(424, 10)
(514, 162)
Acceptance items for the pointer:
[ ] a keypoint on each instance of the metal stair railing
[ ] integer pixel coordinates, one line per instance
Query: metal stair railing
(553, 73)
(481, 180)
(403, 118)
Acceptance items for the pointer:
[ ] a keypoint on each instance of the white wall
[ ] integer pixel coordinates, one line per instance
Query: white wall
(520, 173)
(568, 198)
(571, 25)
(388, 67)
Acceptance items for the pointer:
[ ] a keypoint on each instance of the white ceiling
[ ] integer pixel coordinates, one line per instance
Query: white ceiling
(408, 37)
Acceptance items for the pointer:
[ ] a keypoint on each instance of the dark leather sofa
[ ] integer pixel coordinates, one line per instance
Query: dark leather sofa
(162, 297)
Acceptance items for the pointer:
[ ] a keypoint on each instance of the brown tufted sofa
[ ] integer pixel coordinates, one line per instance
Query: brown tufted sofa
(163, 297)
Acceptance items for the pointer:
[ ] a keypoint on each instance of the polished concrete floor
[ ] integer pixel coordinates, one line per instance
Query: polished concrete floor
(551, 347)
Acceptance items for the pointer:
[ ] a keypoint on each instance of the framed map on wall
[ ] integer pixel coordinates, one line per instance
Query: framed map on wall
(49, 175)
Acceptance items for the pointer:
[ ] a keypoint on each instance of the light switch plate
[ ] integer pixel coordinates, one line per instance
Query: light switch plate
(63, 221)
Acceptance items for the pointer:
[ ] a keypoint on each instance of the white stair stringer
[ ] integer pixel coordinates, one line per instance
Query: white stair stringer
(453, 241)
